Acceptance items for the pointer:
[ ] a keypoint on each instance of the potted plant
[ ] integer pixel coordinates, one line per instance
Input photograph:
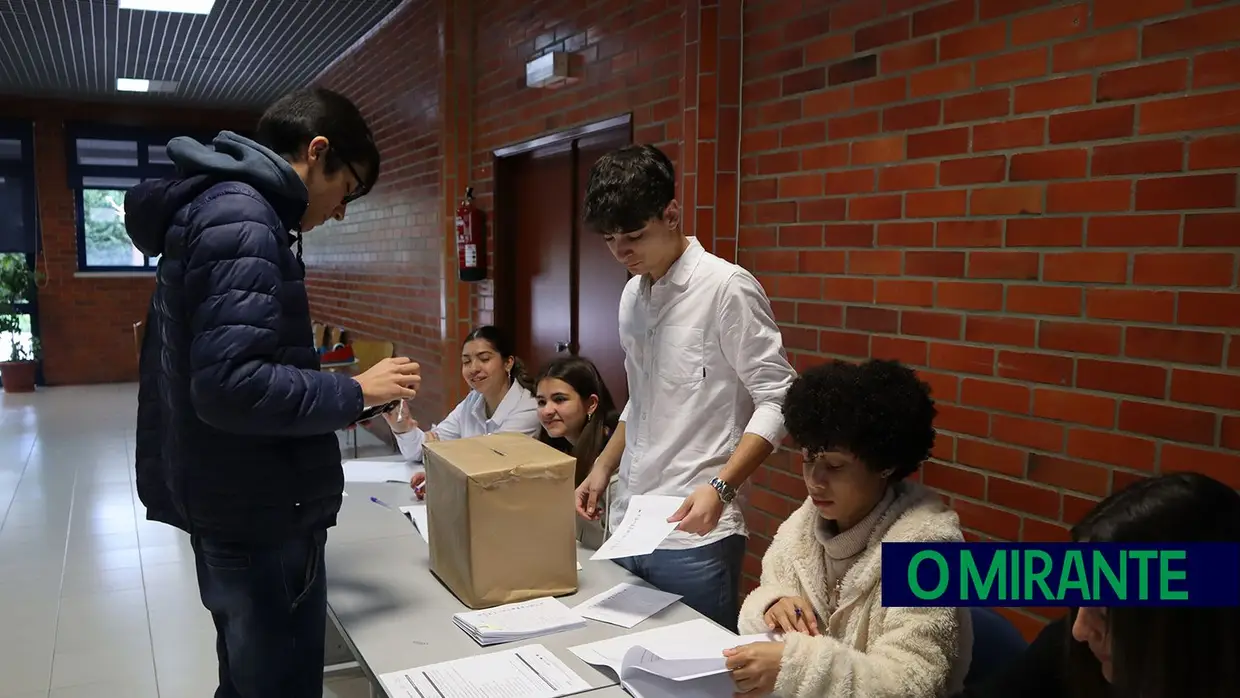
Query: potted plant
(17, 281)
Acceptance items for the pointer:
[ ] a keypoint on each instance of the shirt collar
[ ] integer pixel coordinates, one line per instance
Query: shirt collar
(682, 269)
(511, 399)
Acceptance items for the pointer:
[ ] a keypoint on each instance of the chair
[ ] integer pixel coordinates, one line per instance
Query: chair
(368, 353)
(996, 642)
(139, 332)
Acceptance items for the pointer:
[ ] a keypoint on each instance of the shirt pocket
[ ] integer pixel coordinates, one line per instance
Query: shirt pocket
(680, 355)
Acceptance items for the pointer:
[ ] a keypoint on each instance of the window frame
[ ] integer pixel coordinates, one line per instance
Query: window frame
(144, 138)
(24, 169)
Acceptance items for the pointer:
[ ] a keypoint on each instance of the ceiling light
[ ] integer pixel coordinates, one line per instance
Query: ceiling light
(141, 85)
(192, 7)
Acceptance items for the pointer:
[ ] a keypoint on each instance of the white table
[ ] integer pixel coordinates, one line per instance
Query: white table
(394, 614)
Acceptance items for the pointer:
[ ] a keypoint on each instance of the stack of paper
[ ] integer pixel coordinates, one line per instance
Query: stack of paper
(526, 672)
(644, 527)
(626, 604)
(518, 621)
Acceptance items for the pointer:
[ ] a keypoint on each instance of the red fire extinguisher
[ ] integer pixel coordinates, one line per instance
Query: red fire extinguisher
(470, 240)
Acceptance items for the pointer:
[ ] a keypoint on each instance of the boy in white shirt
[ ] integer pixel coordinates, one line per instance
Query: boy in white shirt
(707, 373)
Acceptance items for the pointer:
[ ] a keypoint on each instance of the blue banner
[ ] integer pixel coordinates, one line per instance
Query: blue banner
(1061, 574)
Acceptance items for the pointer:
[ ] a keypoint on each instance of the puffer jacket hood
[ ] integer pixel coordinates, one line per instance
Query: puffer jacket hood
(151, 205)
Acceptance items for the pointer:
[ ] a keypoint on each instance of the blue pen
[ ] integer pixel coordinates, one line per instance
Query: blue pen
(384, 504)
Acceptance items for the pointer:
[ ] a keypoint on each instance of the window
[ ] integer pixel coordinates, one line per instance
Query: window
(104, 162)
(18, 226)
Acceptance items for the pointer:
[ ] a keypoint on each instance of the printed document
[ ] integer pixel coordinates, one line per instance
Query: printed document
(417, 514)
(525, 672)
(626, 604)
(644, 527)
(518, 621)
(379, 471)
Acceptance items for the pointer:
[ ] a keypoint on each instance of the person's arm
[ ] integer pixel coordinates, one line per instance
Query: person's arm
(777, 581)
(753, 346)
(233, 283)
(609, 459)
(411, 442)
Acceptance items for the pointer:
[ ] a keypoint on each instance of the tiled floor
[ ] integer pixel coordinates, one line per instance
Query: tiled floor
(95, 601)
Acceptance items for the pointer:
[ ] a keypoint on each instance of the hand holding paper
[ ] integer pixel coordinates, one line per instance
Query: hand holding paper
(645, 526)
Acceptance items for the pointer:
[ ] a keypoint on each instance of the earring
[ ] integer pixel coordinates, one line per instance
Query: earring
(589, 416)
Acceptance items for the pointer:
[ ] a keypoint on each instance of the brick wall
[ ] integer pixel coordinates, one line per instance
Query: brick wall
(86, 322)
(1033, 202)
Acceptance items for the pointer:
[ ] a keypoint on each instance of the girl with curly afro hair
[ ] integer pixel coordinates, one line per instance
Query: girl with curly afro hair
(862, 430)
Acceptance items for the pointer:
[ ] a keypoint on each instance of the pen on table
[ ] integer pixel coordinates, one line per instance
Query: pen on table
(384, 504)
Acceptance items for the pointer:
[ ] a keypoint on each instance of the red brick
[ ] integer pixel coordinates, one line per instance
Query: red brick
(1212, 230)
(870, 94)
(1069, 474)
(1017, 133)
(870, 208)
(875, 262)
(986, 38)
(1209, 309)
(869, 319)
(851, 14)
(1005, 397)
(1094, 51)
(1181, 346)
(1076, 508)
(1167, 422)
(992, 457)
(989, 520)
(962, 420)
(900, 292)
(848, 235)
(878, 150)
(1059, 93)
(954, 141)
(962, 360)
(899, 59)
(1115, 449)
(1138, 158)
(848, 290)
(889, 32)
(1001, 201)
(775, 212)
(1217, 68)
(908, 351)
(1214, 152)
(1044, 300)
(943, 17)
(810, 133)
(844, 343)
(1089, 197)
(1031, 433)
(936, 204)
(1126, 304)
(942, 385)
(1011, 331)
(1040, 531)
(1184, 269)
(1211, 388)
(946, 477)
(834, 101)
(1093, 124)
(1194, 31)
(970, 233)
(1085, 338)
(1121, 378)
(1012, 67)
(1134, 231)
(1191, 113)
(800, 235)
(824, 157)
(1108, 13)
(979, 170)
(820, 314)
(989, 9)
(1075, 407)
(1003, 265)
(1036, 368)
(1022, 496)
(828, 48)
(1049, 164)
(800, 186)
(1224, 467)
(906, 234)
(821, 210)
(1143, 80)
(775, 260)
(1192, 191)
(809, 80)
(1231, 433)
(905, 177)
(1086, 267)
(906, 117)
(777, 163)
(849, 182)
(969, 296)
(927, 324)
(1050, 24)
(977, 106)
(798, 287)
(941, 80)
(1044, 232)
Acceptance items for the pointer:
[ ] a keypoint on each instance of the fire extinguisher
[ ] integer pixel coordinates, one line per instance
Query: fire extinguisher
(470, 240)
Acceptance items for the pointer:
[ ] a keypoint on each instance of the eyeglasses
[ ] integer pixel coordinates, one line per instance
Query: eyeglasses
(359, 191)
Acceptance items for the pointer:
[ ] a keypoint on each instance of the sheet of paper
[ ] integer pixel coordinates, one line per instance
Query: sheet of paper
(626, 604)
(417, 512)
(525, 672)
(644, 527)
(379, 471)
(695, 639)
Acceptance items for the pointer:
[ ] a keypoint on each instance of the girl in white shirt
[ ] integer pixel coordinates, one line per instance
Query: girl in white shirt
(499, 401)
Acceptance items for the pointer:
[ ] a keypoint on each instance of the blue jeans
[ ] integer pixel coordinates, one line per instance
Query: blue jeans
(707, 578)
(269, 604)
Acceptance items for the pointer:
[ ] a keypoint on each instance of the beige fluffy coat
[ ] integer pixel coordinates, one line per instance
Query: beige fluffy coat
(866, 651)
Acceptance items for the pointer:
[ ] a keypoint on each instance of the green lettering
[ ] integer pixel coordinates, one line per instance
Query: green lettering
(1015, 576)
(1102, 568)
(1144, 557)
(916, 587)
(1073, 575)
(970, 577)
(1167, 574)
(1039, 576)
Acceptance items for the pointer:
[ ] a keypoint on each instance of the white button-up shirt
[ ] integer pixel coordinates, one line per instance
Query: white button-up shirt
(705, 364)
(517, 412)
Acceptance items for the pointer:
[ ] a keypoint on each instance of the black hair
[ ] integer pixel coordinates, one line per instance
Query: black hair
(879, 411)
(500, 341)
(628, 188)
(1163, 652)
(582, 376)
(298, 117)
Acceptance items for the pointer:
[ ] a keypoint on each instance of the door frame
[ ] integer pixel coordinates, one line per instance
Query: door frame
(23, 131)
(504, 235)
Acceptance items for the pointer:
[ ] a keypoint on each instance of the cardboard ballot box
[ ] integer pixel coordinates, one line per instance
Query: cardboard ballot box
(501, 518)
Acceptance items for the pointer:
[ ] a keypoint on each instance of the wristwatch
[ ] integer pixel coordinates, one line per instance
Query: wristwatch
(726, 492)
